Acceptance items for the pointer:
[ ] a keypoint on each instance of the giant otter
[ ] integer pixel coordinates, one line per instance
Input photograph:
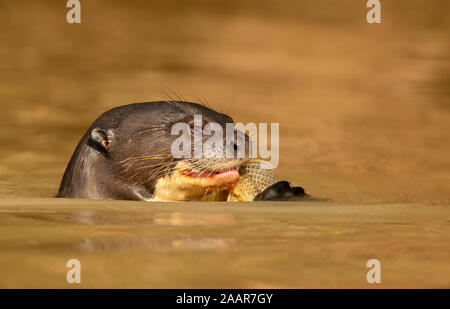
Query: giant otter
(126, 155)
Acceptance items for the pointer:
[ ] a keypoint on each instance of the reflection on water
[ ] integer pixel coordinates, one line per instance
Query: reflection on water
(154, 244)
(194, 219)
(105, 217)
(240, 246)
(203, 244)
(102, 219)
(364, 119)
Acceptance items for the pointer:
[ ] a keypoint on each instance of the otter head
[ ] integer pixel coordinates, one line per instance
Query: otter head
(128, 153)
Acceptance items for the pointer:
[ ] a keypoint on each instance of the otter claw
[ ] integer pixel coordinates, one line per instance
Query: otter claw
(282, 191)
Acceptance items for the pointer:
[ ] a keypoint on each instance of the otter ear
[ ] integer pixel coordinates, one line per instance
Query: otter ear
(102, 138)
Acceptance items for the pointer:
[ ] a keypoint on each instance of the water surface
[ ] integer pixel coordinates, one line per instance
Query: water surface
(249, 245)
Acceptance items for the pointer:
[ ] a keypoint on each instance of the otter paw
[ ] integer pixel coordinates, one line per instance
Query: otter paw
(282, 191)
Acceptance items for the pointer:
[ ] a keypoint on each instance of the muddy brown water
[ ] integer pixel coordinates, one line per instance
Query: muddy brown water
(364, 114)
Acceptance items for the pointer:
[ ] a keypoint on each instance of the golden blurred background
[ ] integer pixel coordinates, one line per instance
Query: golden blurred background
(364, 109)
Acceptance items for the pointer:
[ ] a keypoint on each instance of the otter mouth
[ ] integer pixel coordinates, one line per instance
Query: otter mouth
(209, 174)
(210, 178)
(189, 182)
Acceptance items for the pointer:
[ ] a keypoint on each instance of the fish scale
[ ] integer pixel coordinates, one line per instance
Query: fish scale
(256, 176)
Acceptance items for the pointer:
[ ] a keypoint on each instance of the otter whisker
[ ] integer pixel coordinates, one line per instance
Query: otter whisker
(179, 96)
(150, 166)
(167, 95)
(143, 157)
(206, 192)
